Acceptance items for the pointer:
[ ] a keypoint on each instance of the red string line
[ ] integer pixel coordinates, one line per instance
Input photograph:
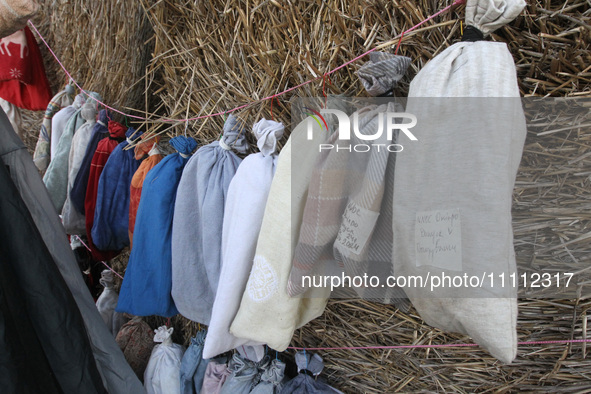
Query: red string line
(105, 264)
(456, 2)
(448, 345)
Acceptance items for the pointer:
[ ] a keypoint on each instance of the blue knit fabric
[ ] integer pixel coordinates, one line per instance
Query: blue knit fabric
(110, 229)
(148, 280)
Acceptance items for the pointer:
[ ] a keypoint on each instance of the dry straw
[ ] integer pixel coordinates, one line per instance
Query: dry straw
(174, 58)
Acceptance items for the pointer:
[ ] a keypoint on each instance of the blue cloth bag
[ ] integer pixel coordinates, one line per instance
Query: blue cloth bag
(148, 280)
(193, 365)
(99, 131)
(110, 229)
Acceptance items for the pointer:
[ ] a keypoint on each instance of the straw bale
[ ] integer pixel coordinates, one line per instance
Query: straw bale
(209, 56)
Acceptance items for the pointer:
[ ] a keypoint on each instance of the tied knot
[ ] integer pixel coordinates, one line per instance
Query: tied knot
(472, 34)
(381, 73)
(183, 145)
(233, 136)
(268, 132)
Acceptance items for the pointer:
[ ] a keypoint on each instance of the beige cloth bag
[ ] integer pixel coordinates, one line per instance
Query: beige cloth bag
(453, 187)
(267, 314)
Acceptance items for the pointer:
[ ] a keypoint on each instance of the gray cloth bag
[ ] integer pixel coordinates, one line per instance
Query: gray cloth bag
(74, 221)
(242, 375)
(198, 219)
(453, 187)
(56, 177)
(271, 378)
(42, 149)
(193, 365)
(117, 375)
(345, 182)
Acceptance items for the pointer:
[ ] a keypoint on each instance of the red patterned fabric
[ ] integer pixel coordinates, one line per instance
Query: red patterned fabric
(22, 75)
(101, 155)
(136, 340)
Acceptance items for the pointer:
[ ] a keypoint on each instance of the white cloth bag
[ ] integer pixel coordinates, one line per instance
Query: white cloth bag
(471, 131)
(163, 373)
(267, 313)
(245, 206)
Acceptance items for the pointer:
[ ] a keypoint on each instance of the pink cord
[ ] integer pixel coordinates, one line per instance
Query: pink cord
(449, 345)
(105, 264)
(457, 2)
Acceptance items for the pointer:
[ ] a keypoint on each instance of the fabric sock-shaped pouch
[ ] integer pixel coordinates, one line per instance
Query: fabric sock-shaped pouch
(100, 130)
(110, 229)
(267, 313)
(42, 148)
(453, 187)
(242, 375)
(135, 339)
(271, 378)
(198, 219)
(148, 279)
(369, 206)
(307, 381)
(73, 220)
(162, 374)
(193, 365)
(103, 150)
(150, 148)
(249, 188)
(347, 188)
(60, 120)
(56, 177)
(215, 377)
(107, 301)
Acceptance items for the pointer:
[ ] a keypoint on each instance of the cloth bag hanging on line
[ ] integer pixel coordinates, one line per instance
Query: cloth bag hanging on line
(42, 149)
(304, 383)
(148, 278)
(249, 188)
(73, 220)
(162, 374)
(136, 340)
(344, 218)
(271, 378)
(22, 75)
(14, 15)
(150, 148)
(215, 377)
(78, 191)
(60, 120)
(198, 219)
(56, 177)
(453, 187)
(110, 229)
(267, 314)
(99, 158)
(193, 365)
(242, 375)
(107, 301)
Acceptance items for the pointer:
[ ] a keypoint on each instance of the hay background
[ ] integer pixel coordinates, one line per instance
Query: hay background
(174, 58)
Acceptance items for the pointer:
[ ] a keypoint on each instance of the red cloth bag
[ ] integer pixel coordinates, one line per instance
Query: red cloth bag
(101, 155)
